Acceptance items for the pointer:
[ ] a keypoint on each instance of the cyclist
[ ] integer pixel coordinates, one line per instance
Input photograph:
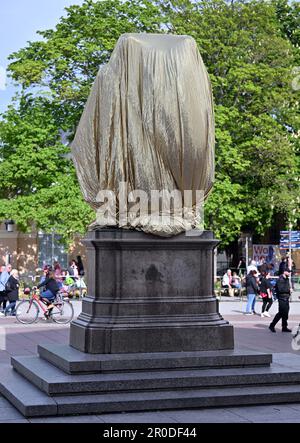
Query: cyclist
(51, 288)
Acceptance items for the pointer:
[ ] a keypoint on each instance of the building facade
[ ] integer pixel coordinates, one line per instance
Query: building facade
(29, 252)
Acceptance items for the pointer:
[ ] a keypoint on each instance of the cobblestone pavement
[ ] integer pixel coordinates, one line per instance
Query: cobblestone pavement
(251, 333)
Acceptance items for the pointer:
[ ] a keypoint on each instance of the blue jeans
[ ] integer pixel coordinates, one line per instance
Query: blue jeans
(48, 294)
(250, 303)
(11, 307)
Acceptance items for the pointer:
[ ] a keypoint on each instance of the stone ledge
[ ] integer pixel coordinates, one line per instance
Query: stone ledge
(73, 361)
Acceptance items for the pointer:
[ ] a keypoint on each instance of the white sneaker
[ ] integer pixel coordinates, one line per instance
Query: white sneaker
(262, 314)
(2, 314)
(267, 314)
(248, 313)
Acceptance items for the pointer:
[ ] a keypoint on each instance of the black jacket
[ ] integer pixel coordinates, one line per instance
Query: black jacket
(264, 285)
(50, 284)
(251, 284)
(283, 288)
(12, 289)
(283, 267)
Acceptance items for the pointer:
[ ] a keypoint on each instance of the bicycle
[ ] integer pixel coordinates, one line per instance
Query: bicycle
(27, 311)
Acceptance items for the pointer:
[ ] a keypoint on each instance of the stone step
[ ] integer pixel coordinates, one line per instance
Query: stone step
(30, 401)
(53, 381)
(72, 361)
(26, 397)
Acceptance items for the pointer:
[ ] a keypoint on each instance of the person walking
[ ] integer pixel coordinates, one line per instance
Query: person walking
(265, 291)
(5, 274)
(283, 291)
(252, 290)
(12, 291)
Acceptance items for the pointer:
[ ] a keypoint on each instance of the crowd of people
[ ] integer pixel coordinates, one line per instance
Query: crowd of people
(262, 279)
(53, 280)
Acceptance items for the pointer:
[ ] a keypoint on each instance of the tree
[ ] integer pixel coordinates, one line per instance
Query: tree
(68, 58)
(250, 50)
(250, 64)
(38, 185)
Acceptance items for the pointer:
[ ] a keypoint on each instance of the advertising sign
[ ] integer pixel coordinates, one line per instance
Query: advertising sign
(265, 253)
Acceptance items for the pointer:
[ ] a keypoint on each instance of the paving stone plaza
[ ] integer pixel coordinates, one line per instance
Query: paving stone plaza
(251, 334)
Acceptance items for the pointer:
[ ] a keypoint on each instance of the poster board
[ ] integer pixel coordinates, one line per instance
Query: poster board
(270, 254)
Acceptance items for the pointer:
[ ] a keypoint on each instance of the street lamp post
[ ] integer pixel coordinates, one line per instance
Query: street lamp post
(247, 251)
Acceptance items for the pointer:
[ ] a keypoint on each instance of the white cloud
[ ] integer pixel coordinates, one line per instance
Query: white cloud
(2, 78)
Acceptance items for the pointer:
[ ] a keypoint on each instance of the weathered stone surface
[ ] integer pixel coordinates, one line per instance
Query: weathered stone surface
(149, 294)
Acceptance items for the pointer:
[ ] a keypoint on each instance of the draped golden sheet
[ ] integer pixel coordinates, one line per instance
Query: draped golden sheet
(149, 122)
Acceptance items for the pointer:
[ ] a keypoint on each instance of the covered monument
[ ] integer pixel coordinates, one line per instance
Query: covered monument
(148, 122)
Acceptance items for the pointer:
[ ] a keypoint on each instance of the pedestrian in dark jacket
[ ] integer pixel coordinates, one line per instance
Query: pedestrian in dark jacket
(252, 290)
(283, 291)
(12, 291)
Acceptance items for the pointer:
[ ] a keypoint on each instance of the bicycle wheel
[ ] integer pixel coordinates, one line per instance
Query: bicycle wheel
(62, 312)
(27, 312)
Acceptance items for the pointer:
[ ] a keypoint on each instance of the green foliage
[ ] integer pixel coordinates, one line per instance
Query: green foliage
(250, 61)
(69, 57)
(38, 186)
(250, 49)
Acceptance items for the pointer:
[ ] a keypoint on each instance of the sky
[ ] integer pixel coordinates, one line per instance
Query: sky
(19, 21)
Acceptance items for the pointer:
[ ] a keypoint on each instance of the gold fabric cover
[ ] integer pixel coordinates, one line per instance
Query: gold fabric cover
(149, 122)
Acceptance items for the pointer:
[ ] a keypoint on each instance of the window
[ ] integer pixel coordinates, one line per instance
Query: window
(50, 250)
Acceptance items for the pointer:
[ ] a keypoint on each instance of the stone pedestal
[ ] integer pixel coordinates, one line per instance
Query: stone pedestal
(149, 294)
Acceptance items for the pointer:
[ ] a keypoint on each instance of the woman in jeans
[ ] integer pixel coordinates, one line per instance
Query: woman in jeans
(252, 290)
